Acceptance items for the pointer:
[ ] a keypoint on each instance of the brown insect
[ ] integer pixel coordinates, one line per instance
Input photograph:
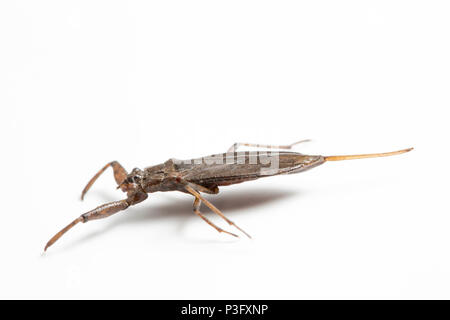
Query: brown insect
(205, 175)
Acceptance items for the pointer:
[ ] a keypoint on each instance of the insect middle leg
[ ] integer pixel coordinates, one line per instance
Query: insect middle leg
(236, 145)
(120, 174)
(197, 204)
(191, 190)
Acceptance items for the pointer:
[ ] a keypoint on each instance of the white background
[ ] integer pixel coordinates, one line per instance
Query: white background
(86, 82)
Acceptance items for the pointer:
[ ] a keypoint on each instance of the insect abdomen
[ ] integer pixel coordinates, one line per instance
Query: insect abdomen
(236, 167)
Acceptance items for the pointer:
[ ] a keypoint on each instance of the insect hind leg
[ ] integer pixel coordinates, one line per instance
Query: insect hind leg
(236, 145)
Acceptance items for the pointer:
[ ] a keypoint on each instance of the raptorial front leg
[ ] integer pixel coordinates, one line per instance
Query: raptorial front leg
(120, 175)
(197, 204)
(100, 212)
(236, 145)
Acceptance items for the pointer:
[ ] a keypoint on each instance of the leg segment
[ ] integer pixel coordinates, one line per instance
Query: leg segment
(212, 190)
(235, 146)
(197, 204)
(190, 189)
(120, 175)
(100, 212)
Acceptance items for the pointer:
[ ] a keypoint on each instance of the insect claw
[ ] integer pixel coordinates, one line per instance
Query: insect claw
(230, 233)
(248, 236)
(233, 224)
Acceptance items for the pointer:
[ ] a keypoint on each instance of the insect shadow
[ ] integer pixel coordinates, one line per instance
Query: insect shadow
(231, 201)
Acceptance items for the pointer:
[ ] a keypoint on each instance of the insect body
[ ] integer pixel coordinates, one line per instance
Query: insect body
(204, 175)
